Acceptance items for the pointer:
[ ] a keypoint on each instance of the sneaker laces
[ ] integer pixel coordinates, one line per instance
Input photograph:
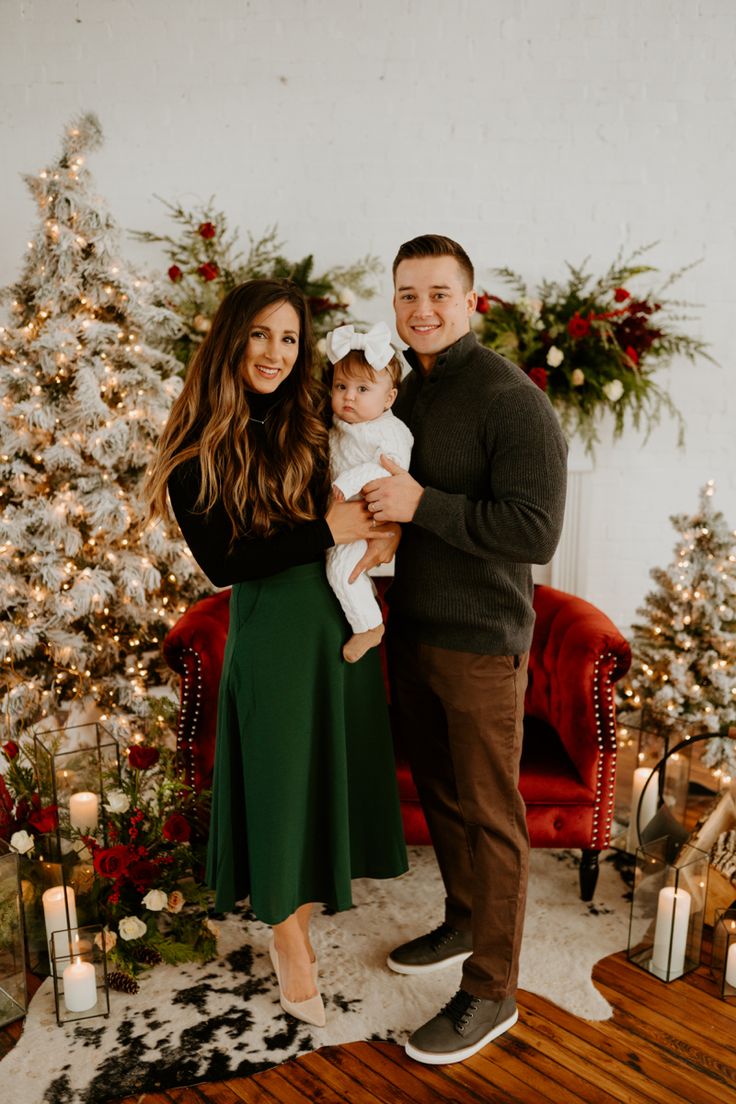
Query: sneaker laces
(441, 935)
(461, 1008)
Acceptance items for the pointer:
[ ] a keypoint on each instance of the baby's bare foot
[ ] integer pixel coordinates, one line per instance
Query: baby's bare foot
(360, 643)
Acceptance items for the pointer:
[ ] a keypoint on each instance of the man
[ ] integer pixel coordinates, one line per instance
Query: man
(484, 497)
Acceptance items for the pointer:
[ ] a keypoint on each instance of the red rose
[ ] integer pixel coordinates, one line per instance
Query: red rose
(112, 862)
(142, 872)
(11, 749)
(141, 757)
(539, 376)
(208, 271)
(620, 294)
(45, 820)
(175, 273)
(177, 829)
(578, 327)
(632, 354)
(206, 230)
(483, 303)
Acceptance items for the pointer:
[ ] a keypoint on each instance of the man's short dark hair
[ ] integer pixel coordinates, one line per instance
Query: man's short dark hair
(435, 245)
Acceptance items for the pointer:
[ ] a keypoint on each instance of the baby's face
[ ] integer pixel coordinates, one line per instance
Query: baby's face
(361, 398)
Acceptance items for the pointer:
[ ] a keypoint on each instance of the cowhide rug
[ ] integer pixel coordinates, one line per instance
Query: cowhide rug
(223, 1019)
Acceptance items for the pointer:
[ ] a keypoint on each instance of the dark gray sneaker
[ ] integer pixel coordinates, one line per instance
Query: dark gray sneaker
(463, 1027)
(433, 951)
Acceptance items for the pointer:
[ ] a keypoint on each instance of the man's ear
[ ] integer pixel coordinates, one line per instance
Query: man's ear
(471, 301)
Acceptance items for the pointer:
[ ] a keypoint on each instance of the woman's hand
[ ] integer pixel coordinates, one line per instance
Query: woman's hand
(351, 521)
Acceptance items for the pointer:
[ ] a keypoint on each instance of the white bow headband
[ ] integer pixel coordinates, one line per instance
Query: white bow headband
(375, 345)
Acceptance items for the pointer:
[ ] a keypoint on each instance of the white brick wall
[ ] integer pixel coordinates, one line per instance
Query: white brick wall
(533, 130)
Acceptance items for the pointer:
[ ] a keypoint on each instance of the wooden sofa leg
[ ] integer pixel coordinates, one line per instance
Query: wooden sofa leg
(588, 873)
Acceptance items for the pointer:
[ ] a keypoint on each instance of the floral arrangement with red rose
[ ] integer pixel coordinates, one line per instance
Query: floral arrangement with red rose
(592, 345)
(147, 888)
(206, 263)
(24, 818)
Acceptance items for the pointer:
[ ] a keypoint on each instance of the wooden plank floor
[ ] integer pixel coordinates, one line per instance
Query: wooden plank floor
(666, 1044)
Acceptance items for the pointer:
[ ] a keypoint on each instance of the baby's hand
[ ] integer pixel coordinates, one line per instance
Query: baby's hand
(337, 495)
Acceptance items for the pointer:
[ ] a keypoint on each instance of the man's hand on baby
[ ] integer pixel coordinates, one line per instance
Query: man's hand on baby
(394, 499)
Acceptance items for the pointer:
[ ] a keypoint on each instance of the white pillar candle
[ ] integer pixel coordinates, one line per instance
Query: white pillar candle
(80, 987)
(731, 966)
(648, 807)
(83, 811)
(55, 914)
(673, 916)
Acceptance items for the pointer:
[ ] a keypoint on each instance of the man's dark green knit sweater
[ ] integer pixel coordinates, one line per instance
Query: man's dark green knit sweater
(490, 454)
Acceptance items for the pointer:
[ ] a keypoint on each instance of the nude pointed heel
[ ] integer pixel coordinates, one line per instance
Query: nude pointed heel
(312, 1010)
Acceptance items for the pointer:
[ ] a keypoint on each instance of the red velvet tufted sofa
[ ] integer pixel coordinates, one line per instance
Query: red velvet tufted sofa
(569, 754)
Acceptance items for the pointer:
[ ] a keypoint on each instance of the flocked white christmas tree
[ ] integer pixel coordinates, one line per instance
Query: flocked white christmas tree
(86, 593)
(684, 650)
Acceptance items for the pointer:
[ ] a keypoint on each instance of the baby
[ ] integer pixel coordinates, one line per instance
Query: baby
(365, 379)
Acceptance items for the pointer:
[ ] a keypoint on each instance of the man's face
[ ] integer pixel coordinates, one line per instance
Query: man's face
(433, 305)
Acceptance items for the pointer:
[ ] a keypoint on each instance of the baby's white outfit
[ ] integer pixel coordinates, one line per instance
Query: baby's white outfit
(355, 459)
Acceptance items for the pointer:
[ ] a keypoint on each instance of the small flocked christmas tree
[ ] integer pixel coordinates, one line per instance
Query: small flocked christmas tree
(86, 593)
(684, 665)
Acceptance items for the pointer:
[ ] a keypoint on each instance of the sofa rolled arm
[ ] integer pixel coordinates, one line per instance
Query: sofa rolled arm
(578, 654)
(195, 648)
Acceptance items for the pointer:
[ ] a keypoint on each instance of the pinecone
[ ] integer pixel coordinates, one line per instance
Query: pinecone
(147, 956)
(122, 982)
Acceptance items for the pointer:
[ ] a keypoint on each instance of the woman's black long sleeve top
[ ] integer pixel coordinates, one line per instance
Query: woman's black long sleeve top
(208, 534)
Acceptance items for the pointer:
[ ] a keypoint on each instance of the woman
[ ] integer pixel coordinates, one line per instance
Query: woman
(304, 789)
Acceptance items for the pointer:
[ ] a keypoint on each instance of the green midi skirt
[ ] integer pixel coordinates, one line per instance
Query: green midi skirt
(304, 794)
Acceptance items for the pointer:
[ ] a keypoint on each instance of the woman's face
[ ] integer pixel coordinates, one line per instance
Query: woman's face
(272, 349)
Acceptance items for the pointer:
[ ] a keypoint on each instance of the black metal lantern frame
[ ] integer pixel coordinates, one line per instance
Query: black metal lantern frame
(72, 762)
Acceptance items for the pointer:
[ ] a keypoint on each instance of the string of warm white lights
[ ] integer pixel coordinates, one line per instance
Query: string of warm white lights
(684, 649)
(89, 591)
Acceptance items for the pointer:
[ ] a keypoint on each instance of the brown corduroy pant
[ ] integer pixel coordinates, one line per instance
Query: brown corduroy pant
(458, 716)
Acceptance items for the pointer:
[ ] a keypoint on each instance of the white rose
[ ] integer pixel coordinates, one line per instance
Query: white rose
(155, 900)
(202, 323)
(613, 390)
(533, 307)
(345, 296)
(130, 927)
(22, 842)
(555, 356)
(577, 379)
(322, 347)
(117, 802)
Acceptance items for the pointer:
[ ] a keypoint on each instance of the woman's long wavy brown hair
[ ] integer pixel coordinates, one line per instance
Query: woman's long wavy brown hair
(262, 490)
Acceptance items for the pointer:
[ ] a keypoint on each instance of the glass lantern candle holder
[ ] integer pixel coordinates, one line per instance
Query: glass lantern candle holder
(667, 907)
(723, 958)
(79, 969)
(73, 766)
(13, 990)
(642, 744)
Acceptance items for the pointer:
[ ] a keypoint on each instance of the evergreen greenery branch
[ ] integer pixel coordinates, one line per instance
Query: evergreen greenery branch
(207, 262)
(593, 345)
